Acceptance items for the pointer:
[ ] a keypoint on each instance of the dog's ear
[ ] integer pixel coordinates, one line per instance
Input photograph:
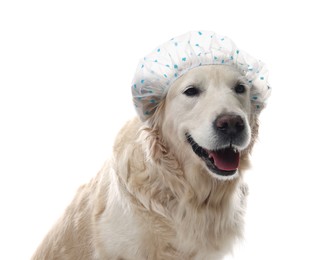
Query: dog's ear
(156, 119)
(152, 135)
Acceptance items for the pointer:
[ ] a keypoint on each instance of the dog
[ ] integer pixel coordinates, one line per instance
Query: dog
(174, 187)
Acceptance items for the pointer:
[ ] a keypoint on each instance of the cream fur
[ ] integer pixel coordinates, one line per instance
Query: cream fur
(156, 199)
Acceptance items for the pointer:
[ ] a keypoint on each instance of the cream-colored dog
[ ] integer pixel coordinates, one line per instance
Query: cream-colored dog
(173, 188)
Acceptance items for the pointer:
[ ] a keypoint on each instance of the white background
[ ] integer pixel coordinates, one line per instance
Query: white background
(65, 74)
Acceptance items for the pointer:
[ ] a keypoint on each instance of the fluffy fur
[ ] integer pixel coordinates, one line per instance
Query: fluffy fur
(155, 198)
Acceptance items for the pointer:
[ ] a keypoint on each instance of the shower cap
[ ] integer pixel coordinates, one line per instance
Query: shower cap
(158, 70)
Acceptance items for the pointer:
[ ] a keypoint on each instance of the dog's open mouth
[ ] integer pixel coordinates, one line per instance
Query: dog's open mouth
(223, 162)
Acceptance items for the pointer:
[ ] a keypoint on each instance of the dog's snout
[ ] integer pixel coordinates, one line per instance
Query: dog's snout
(230, 125)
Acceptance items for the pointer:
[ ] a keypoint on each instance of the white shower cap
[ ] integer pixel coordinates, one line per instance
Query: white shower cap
(158, 70)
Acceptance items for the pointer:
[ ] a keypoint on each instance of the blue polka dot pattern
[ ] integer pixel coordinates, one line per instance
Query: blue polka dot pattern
(158, 70)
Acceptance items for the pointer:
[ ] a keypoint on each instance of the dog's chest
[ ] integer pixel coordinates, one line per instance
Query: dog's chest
(129, 231)
(206, 235)
(126, 235)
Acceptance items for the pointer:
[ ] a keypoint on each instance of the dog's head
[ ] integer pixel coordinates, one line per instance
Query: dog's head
(203, 95)
(207, 117)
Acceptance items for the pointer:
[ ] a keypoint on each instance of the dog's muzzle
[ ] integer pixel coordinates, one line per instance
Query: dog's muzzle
(230, 137)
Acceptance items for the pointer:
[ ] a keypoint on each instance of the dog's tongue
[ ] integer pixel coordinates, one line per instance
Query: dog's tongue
(226, 159)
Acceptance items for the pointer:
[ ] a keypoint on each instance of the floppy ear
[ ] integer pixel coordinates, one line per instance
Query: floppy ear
(156, 119)
(152, 135)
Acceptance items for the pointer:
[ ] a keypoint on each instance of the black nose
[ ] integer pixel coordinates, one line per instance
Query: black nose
(230, 125)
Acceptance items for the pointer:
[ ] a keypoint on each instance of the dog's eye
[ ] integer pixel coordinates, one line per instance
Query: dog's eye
(239, 89)
(192, 91)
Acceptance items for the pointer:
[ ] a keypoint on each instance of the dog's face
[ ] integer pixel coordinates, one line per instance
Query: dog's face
(206, 118)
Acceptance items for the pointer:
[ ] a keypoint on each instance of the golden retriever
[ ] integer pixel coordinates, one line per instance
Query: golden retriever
(174, 187)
